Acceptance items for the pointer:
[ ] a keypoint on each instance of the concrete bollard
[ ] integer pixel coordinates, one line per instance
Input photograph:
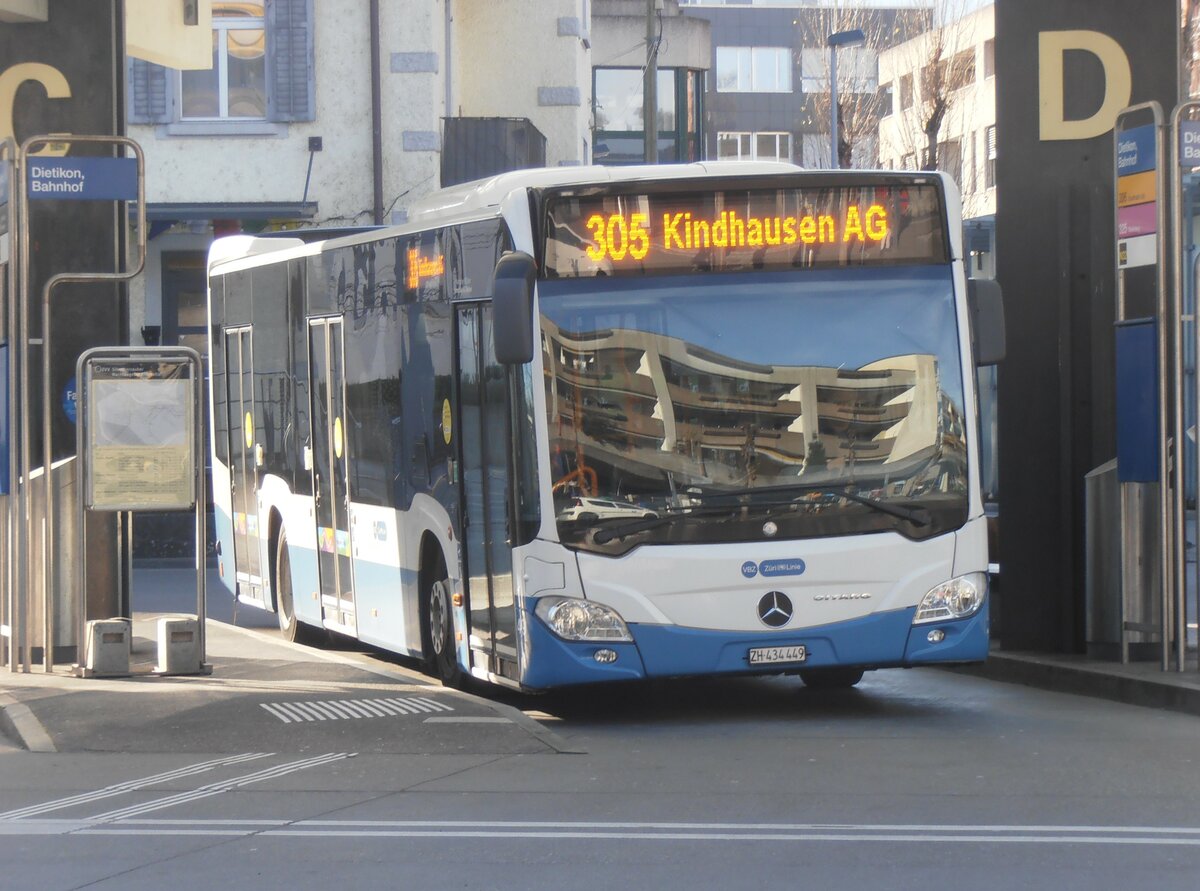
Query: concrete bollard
(178, 645)
(107, 647)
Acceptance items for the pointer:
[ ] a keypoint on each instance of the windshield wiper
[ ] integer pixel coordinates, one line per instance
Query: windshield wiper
(642, 524)
(918, 516)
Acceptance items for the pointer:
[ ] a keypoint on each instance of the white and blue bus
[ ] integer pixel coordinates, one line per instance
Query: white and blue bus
(582, 425)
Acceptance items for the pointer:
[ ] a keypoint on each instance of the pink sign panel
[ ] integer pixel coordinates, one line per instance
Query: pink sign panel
(1140, 219)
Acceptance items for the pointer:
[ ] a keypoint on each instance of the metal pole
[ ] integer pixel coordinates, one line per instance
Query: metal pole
(1179, 287)
(377, 117)
(201, 502)
(47, 445)
(1166, 491)
(24, 556)
(12, 611)
(835, 162)
(650, 89)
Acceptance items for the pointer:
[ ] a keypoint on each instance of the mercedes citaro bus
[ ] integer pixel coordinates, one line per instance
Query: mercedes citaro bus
(591, 424)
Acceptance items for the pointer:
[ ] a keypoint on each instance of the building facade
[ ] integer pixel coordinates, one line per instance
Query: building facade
(337, 113)
(964, 144)
(682, 49)
(768, 94)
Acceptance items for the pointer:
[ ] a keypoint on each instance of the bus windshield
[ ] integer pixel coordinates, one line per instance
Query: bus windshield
(729, 407)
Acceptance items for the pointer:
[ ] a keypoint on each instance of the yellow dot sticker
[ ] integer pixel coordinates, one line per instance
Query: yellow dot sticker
(447, 421)
(337, 437)
(249, 425)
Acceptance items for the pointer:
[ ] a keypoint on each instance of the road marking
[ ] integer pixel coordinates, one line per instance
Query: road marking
(130, 786)
(466, 719)
(1162, 836)
(350, 709)
(269, 773)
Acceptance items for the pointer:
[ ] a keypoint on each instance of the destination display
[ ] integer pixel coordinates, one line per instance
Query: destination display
(636, 234)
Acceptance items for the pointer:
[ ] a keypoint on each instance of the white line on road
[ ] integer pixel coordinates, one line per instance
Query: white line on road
(1185, 836)
(350, 709)
(130, 786)
(217, 788)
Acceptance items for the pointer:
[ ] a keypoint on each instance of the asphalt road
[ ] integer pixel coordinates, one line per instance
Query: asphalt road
(915, 779)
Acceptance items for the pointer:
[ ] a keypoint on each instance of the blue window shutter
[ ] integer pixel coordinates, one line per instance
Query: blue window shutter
(149, 96)
(290, 60)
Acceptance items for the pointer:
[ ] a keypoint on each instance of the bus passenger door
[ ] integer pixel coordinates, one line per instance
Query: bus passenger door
(243, 469)
(331, 493)
(483, 420)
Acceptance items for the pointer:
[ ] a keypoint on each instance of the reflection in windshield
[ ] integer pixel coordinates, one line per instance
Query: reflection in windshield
(673, 389)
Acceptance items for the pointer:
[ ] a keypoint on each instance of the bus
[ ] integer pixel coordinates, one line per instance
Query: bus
(580, 425)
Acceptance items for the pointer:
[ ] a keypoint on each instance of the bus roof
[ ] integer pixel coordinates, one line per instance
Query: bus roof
(490, 192)
(479, 195)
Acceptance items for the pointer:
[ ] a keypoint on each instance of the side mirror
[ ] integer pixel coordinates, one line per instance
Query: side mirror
(512, 309)
(987, 320)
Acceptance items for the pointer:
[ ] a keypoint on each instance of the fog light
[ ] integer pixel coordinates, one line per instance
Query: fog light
(605, 657)
(937, 635)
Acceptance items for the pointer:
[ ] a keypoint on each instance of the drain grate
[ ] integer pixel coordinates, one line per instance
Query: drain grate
(353, 709)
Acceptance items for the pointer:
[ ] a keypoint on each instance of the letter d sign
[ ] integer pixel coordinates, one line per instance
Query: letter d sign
(1118, 83)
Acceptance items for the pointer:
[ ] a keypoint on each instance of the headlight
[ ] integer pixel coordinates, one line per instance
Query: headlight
(573, 619)
(955, 599)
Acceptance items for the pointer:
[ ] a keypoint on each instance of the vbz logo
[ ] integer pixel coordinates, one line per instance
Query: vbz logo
(1118, 83)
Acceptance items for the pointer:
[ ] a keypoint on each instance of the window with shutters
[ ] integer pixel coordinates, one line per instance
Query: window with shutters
(262, 74)
(236, 85)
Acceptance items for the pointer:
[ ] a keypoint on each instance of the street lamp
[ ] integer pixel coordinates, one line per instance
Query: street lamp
(854, 37)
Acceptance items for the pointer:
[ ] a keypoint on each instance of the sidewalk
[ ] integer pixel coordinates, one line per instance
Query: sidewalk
(264, 694)
(1137, 683)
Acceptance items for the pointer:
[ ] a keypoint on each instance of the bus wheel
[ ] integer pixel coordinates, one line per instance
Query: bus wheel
(831, 678)
(285, 608)
(440, 658)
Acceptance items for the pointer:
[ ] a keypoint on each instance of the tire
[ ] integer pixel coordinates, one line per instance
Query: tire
(831, 678)
(441, 659)
(290, 627)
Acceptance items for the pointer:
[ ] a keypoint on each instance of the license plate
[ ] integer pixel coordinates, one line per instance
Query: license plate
(773, 655)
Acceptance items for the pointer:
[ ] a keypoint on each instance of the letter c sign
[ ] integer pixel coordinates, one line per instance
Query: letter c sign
(1118, 83)
(51, 79)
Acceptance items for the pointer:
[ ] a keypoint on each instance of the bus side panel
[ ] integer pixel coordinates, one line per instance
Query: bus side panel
(219, 435)
(380, 581)
(223, 522)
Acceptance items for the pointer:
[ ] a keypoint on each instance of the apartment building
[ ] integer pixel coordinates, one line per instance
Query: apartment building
(267, 114)
(768, 95)
(953, 65)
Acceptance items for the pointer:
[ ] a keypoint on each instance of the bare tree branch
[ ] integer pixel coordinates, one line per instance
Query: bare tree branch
(861, 102)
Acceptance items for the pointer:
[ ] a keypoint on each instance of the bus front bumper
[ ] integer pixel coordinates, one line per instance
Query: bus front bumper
(881, 640)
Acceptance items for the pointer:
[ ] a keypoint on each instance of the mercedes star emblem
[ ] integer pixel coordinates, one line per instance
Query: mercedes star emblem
(775, 609)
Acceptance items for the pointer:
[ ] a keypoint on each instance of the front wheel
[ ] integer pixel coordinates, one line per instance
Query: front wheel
(290, 627)
(831, 678)
(440, 658)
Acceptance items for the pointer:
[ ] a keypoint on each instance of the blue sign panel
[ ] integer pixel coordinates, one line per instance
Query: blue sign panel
(1135, 150)
(1137, 401)
(4, 165)
(1189, 143)
(794, 566)
(82, 179)
(70, 400)
(3, 419)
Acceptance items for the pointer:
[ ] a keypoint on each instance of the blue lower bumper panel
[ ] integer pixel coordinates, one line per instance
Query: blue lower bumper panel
(883, 640)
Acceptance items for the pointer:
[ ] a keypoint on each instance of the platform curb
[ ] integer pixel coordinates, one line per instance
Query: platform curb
(1030, 670)
(20, 724)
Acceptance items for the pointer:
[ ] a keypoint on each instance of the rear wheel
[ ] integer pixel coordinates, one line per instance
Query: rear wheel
(831, 678)
(441, 660)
